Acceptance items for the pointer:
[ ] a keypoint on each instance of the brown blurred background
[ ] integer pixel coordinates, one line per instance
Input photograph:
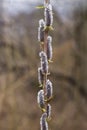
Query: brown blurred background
(19, 61)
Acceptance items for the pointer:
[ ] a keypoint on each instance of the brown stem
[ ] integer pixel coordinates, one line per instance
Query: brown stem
(45, 41)
(46, 1)
(45, 50)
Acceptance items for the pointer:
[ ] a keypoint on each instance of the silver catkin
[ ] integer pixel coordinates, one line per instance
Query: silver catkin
(40, 100)
(44, 62)
(43, 122)
(48, 15)
(48, 111)
(40, 76)
(49, 48)
(49, 90)
(41, 30)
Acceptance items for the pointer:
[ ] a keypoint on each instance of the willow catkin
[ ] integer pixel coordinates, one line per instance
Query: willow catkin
(40, 100)
(43, 122)
(41, 31)
(48, 111)
(44, 62)
(48, 15)
(49, 48)
(49, 90)
(40, 77)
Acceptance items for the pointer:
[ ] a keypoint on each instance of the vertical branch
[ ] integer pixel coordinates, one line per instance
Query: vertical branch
(46, 92)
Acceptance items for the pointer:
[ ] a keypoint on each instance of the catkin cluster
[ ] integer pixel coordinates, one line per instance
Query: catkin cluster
(45, 93)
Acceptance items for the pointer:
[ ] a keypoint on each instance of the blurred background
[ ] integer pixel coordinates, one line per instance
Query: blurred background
(19, 60)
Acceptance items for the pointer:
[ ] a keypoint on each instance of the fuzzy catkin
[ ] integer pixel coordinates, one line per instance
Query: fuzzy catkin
(40, 76)
(40, 99)
(48, 111)
(44, 62)
(48, 15)
(49, 48)
(41, 30)
(43, 122)
(49, 90)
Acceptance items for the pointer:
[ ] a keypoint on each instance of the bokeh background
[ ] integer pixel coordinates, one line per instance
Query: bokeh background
(19, 60)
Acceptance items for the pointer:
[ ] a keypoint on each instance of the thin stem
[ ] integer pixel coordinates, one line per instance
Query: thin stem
(46, 1)
(45, 50)
(45, 41)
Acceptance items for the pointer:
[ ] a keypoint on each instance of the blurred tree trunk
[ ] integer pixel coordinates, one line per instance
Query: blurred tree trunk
(1, 20)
